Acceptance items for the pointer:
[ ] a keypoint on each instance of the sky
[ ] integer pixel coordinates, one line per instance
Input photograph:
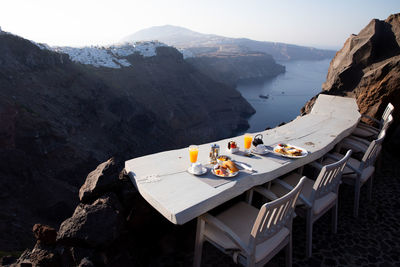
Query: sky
(317, 23)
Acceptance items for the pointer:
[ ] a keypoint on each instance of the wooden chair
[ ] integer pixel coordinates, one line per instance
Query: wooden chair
(250, 235)
(357, 172)
(364, 130)
(360, 145)
(317, 197)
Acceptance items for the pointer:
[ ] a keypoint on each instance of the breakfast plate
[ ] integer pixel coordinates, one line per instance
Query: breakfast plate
(227, 175)
(203, 171)
(290, 151)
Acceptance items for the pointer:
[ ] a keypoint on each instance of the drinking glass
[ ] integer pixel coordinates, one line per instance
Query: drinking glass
(193, 152)
(247, 142)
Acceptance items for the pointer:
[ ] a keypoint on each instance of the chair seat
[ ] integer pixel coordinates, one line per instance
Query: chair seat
(319, 205)
(365, 132)
(240, 219)
(353, 144)
(348, 174)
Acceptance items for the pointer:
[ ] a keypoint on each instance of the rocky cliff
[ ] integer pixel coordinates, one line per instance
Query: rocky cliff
(59, 119)
(229, 68)
(368, 68)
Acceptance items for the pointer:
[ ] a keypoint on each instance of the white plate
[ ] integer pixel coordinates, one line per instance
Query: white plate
(253, 150)
(223, 176)
(203, 171)
(304, 152)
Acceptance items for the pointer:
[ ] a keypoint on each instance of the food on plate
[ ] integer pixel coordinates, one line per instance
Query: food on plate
(229, 164)
(288, 150)
(227, 168)
(223, 158)
(220, 172)
(232, 145)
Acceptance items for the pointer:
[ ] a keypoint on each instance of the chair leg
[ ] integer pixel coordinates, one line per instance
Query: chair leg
(198, 247)
(356, 199)
(370, 182)
(288, 252)
(309, 233)
(334, 217)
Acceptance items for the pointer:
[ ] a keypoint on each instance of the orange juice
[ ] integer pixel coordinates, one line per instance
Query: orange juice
(193, 152)
(247, 141)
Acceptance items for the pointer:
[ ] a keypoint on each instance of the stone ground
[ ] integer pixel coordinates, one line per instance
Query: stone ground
(372, 239)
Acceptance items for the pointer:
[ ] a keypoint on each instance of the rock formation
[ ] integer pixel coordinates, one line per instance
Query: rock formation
(368, 68)
(90, 235)
(230, 68)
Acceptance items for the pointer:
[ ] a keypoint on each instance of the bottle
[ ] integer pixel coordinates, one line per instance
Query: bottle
(214, 152)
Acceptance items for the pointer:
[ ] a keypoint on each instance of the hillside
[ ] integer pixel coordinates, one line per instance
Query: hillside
(59, 118)
(199, 44)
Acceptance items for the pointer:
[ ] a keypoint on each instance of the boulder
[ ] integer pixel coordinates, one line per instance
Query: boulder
(85, 262)
(44, 256)
(45, 234)
(93, 225)
(103, 179)
(368, 68)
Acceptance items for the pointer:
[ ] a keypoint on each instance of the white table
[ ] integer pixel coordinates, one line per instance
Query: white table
(179, 196)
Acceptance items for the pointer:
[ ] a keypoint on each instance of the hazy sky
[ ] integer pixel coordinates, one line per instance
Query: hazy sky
(319, 23)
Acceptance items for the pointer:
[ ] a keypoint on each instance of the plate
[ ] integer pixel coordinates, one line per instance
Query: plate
(304, 152)
(233, 174)
(253, 150)
(203, 171)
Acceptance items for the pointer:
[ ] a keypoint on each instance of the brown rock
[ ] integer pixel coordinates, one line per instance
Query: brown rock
(103, 179)
(368, 68)
(44, 256)
(93, 225)
(85, 262)
(45, 234)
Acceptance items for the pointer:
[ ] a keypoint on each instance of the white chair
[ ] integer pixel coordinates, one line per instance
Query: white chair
(357, 173)
(364, 130)
(250, 235)
(360, 145)
(317, 197)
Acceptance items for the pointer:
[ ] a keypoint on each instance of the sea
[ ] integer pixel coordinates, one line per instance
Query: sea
(280, 99)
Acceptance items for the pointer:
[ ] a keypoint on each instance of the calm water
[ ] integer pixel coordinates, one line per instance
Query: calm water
(287, 93)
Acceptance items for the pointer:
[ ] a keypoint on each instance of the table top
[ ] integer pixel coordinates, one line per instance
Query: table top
(163, 181)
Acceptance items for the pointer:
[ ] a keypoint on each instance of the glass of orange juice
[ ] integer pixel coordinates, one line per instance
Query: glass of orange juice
(193, 152)
(247, 142)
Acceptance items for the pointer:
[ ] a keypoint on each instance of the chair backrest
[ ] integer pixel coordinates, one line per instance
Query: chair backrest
(329, 177)
(386, 125)
(372, 151)
(274, 215)
(388, 111)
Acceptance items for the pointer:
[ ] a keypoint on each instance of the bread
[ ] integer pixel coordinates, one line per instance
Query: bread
(230, 165)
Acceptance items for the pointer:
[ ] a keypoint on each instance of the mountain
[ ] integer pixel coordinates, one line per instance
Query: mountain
(368, 68)
(64, 110)
(198, 44)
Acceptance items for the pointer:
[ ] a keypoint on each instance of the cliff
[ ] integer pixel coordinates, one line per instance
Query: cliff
(60, 118)
(230, 68)
(368, 68)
